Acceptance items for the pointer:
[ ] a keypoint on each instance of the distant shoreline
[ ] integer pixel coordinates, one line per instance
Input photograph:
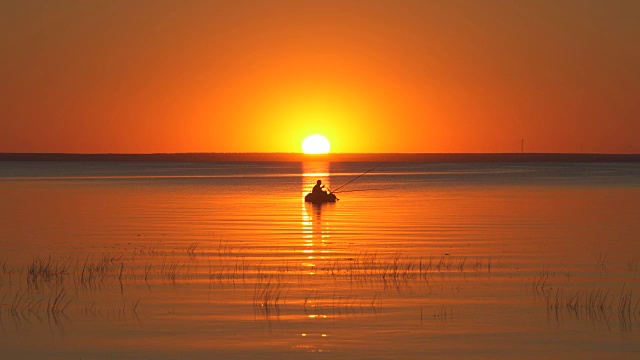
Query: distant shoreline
(351, 157)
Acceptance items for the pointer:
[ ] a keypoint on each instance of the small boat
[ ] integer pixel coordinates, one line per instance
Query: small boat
(320, 198)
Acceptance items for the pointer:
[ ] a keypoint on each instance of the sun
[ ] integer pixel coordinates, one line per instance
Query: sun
(315, 144)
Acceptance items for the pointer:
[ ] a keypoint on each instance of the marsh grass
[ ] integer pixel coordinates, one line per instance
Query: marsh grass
(626, 303)
(633, 264)
(268, 295)
(602, 261)
(540, 282)
(273, 281)
(597, 305)
(171, 269)
(94, 271)
(398, 268)
(191, 249)
(48, 270)
(5, 272)
(128, 310)
(21, 303)
(58, 302)
(25, 304)
(285, 282)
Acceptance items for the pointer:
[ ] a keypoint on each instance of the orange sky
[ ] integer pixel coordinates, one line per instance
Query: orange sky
(372, 76)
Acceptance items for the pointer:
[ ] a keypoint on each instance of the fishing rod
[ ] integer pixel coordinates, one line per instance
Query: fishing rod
(359, 176)
(330, 192)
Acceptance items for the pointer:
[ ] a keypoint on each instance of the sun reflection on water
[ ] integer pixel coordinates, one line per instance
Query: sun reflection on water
(315, 231)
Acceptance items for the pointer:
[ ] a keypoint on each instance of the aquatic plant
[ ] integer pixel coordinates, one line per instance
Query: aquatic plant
(56, 299)
(596, 305)
(601, 262)
(45, 271)
(633, 264)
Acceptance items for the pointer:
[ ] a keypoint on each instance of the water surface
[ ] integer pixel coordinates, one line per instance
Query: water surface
(166, 260)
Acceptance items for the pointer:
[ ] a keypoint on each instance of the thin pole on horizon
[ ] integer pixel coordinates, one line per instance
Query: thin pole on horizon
(522, 146)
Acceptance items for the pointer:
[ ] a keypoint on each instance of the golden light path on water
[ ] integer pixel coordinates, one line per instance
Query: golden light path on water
(314, 230)
(314, 234)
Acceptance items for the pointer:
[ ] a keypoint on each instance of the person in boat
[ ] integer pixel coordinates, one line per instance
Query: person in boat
(319, 189)
(320, 194)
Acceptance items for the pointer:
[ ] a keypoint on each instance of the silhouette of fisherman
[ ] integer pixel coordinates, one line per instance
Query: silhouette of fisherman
(320, 194)
(318, 188)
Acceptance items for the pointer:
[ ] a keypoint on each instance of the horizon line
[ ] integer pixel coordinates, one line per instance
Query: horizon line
(312, 155)
(337, 157)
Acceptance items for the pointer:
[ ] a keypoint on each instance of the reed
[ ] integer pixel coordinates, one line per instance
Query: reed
(477, 264)
(134, 307)
(94, 271)
(56, 300)
(461, 263)
(45, 271)
(601, 262)
(21, 303)
(625, 302)
(361, 281)
(267, 294)
(191, 249)
(633, 264)
(170, 269)
(540, 282)
(595, 305)
(147, 271)
(4, 271)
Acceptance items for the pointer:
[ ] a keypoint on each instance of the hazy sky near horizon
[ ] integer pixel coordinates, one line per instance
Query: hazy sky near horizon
(372, 76)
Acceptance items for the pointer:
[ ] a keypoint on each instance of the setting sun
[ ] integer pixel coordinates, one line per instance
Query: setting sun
(315, 144)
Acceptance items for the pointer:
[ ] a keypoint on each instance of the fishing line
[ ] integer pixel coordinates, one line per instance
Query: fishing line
(359, 176)
(346, 191)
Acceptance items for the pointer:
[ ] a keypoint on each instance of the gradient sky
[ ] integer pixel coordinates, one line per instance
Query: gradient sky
(372, 76)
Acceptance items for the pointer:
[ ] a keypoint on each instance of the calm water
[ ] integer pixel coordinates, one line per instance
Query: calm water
(225, 260)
